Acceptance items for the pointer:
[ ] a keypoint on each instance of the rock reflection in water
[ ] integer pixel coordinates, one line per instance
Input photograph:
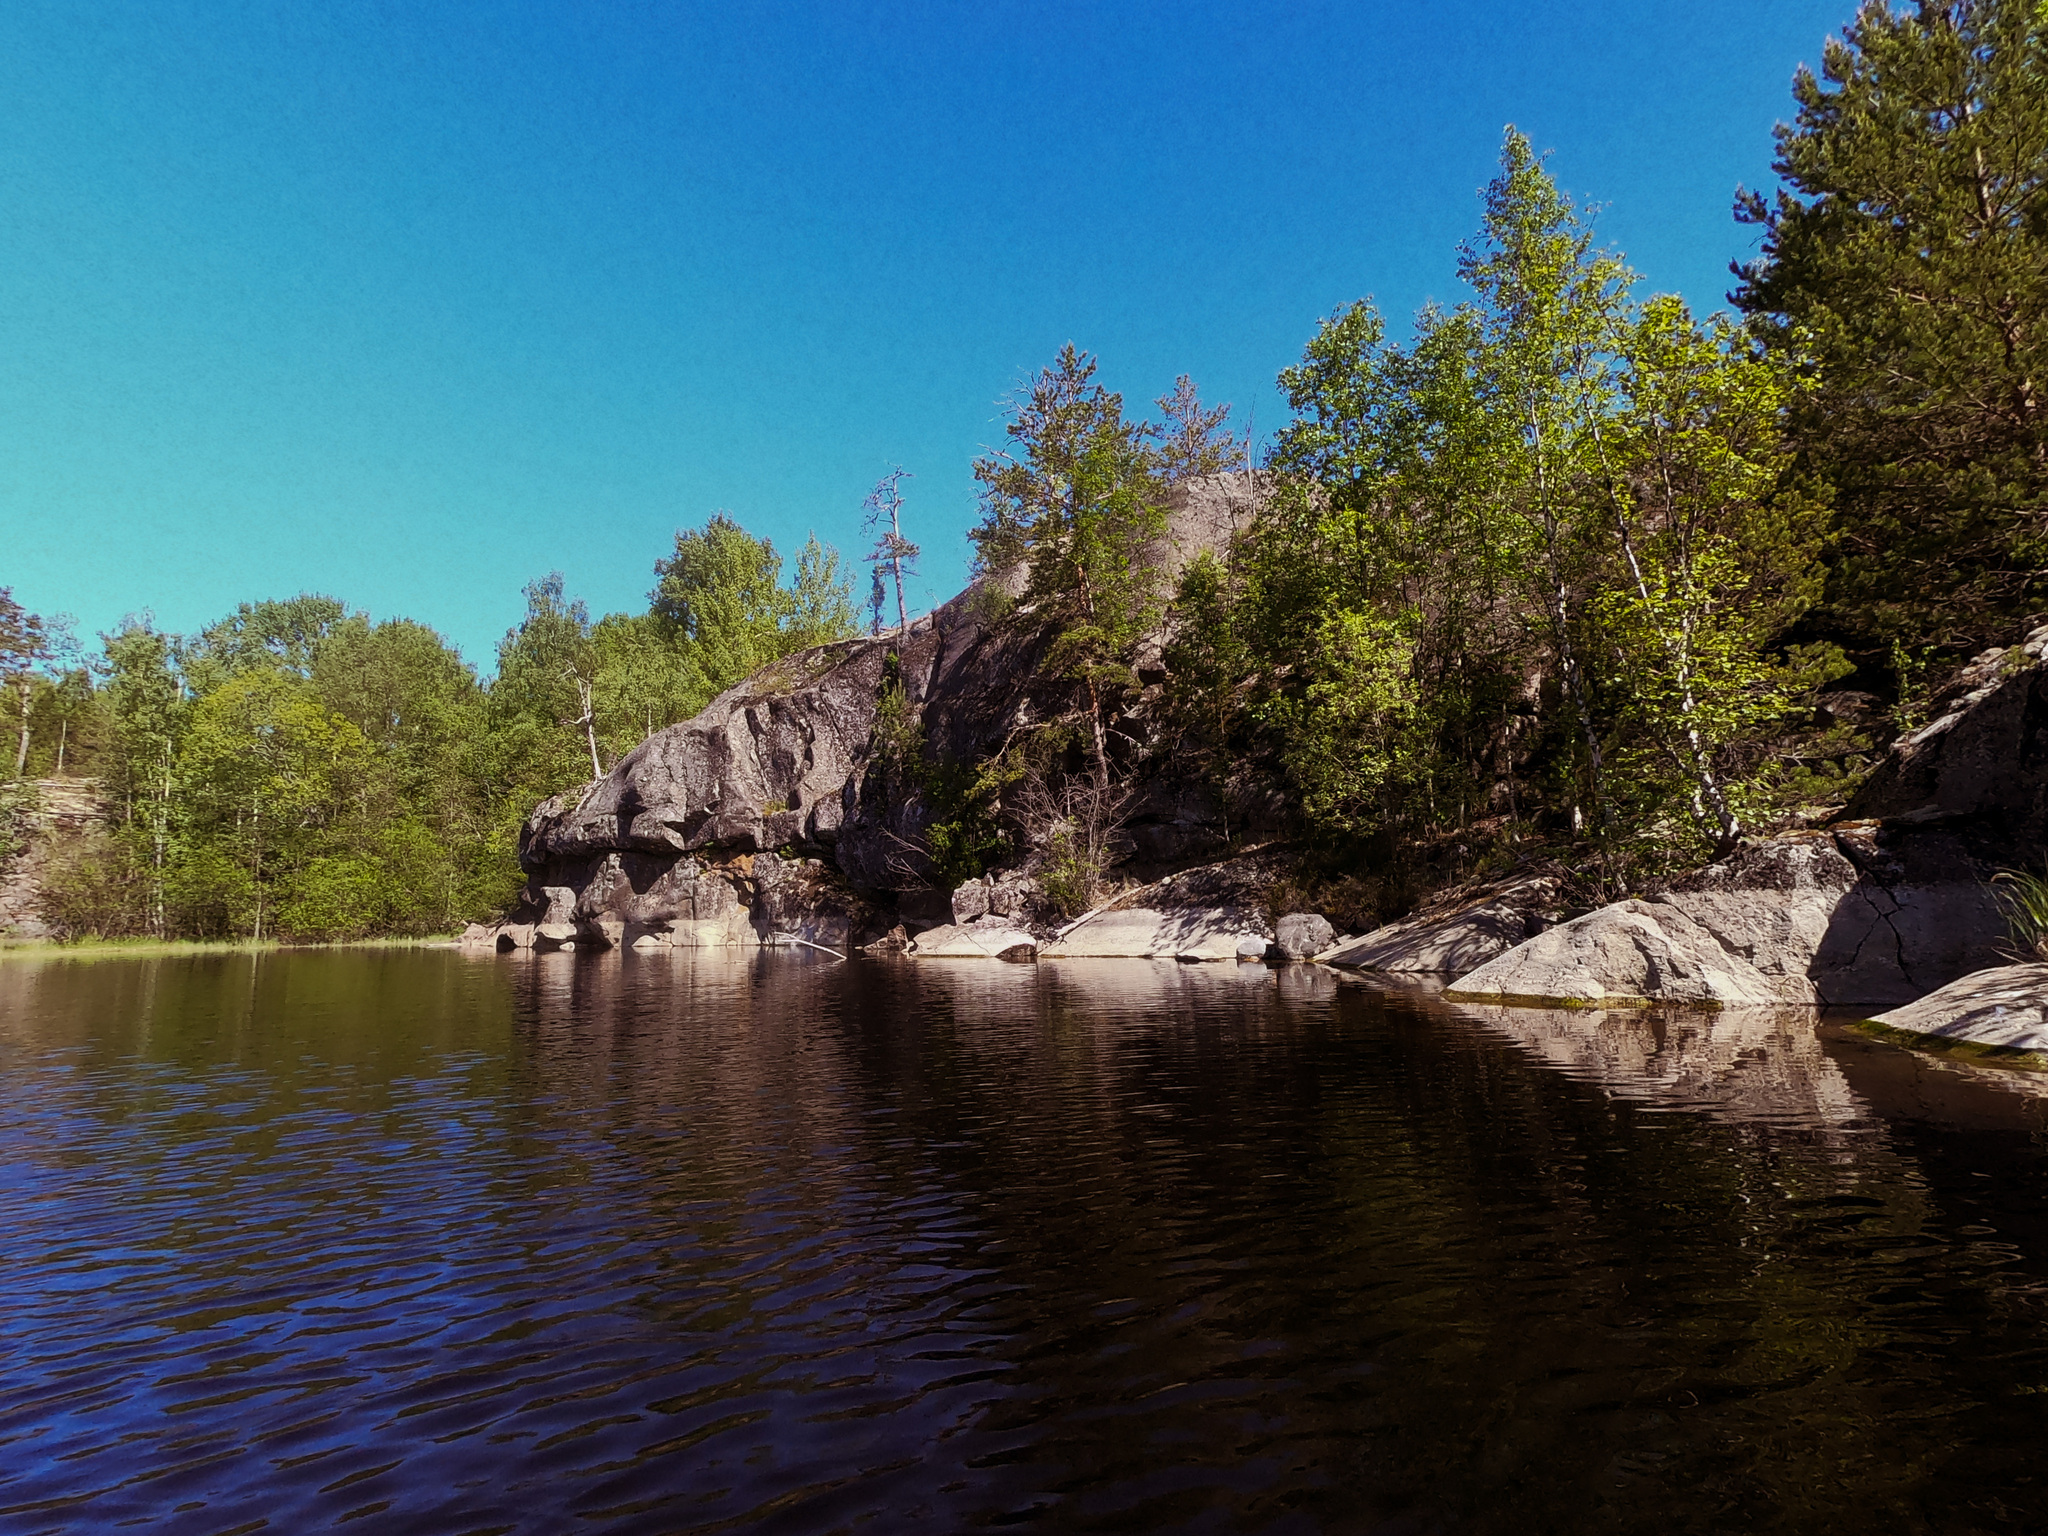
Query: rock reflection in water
(1763, 1065)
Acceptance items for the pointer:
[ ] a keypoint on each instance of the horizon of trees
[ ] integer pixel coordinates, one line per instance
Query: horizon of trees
(298, 770)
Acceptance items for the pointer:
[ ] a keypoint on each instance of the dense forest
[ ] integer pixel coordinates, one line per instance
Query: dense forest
(1566, 569)
(297, 771)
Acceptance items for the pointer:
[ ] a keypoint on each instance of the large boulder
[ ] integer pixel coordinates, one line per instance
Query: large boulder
(1183, 933)
(1863, 915)
(2002, 1009)
(1630, 954)
(1300, 935)
(1454, 941)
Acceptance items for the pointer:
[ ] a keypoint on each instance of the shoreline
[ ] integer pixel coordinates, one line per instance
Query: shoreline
(87, 949)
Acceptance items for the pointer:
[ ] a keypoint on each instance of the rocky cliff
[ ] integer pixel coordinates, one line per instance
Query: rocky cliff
(770, 813)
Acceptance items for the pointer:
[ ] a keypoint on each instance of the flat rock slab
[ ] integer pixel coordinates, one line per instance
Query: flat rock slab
(1630, 954)
(1187, 933)
(1437, 946)
(961, 941)
(2004, 1009)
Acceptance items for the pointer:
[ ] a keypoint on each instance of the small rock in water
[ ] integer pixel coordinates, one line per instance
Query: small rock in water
(1251, 947)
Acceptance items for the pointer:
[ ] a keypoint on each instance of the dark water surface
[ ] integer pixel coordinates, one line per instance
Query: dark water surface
(439, 1243)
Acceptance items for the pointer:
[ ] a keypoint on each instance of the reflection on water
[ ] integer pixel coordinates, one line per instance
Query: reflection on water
(681, 1242)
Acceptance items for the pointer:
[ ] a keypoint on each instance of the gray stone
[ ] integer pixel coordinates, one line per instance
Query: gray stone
(1012, 893)
(972, 941)
(2005, 1008)
(1252, 948)
(1189, 933)
(1981, 759)
(970, 901)
(1629, 954)
(1299, 935)
(1864, 915)
(1448, 945)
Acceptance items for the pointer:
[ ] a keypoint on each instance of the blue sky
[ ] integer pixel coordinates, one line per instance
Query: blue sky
(411, 304)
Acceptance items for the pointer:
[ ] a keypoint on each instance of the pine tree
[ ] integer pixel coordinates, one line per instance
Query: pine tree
(1909, 253)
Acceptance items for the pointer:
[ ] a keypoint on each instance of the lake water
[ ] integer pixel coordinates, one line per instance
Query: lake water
(680, 1243)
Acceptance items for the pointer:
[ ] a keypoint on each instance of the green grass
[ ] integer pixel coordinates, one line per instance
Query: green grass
(2023, 896)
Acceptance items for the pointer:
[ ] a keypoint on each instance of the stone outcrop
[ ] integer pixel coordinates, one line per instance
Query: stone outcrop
(1454, 940)
(785, 766)
(1630, 954)
(1863, 915)
(1980, 765)
(1185, 933)
(619, 900)
(2002, 1009)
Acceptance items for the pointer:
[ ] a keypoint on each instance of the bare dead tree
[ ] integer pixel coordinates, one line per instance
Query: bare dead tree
(892, 552)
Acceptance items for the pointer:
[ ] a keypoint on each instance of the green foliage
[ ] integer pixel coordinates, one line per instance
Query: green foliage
(1906, 256)
(1066, 874)
(1535, 559)
(2023, 896)
(963, 835)
(1072, 503)
(281, 635)
(821, 610)
(720, 598)
(1351, 731)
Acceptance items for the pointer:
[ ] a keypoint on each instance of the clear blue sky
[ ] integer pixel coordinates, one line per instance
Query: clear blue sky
(411, 303)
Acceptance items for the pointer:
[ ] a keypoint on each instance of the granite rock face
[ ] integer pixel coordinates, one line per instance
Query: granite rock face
(1184, 933)
(2005, 1008)
(1629, 954)
(785, 764)
(1454, 942)
(1981, 762)
(1866, 915)
(1862, 915)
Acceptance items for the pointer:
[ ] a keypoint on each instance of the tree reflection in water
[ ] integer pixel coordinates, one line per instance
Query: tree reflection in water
(688, 1242)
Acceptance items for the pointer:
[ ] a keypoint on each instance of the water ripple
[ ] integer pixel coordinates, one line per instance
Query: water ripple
(443, 1244)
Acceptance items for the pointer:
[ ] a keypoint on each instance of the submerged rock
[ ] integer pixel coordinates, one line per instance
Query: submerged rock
(2004, 1008)
(987, 941)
